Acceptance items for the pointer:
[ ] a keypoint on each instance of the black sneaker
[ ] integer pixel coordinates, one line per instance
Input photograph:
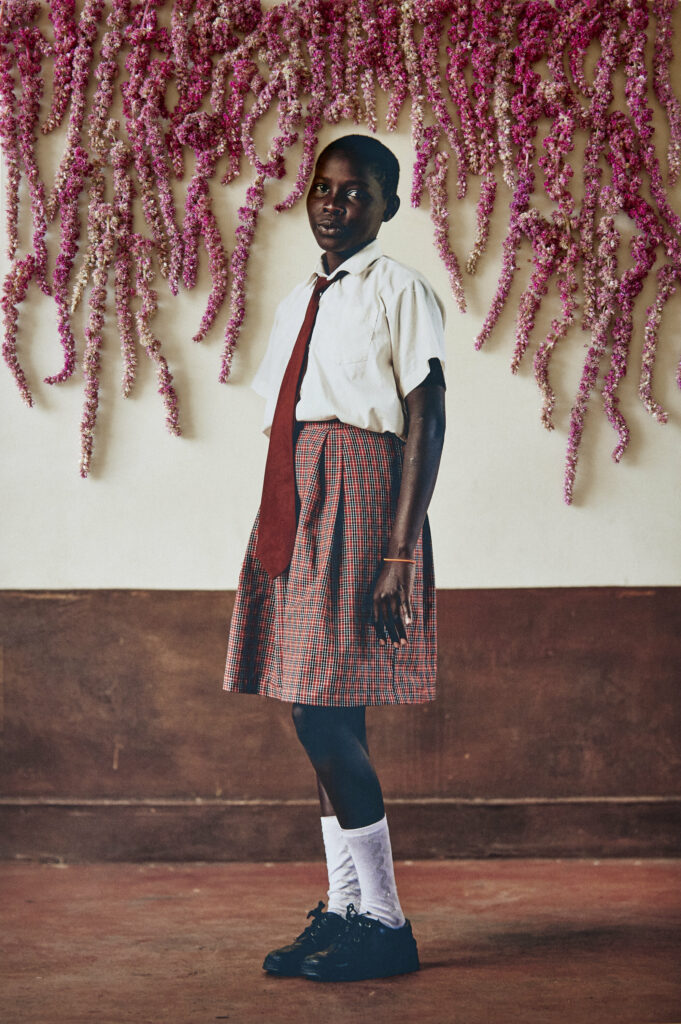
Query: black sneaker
(324, 930)
(366, 949)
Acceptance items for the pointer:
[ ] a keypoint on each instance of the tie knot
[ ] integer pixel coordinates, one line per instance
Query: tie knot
(322, 283)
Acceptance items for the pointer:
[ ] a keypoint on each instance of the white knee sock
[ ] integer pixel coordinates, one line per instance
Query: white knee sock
(371, 851)
(343, 881)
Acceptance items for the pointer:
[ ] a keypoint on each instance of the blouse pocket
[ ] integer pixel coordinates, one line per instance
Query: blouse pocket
(350, 340)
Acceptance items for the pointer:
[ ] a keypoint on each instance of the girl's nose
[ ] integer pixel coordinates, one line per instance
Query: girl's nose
(331, 202)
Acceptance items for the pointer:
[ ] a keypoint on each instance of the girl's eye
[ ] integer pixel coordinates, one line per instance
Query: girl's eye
(322, 189)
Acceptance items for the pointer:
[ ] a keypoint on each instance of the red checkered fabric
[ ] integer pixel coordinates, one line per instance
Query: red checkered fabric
(307, 637)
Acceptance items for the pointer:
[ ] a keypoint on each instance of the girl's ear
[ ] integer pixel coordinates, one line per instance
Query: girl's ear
(391, 208)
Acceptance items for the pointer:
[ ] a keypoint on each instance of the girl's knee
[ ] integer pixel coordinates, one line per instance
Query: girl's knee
(316, 732)
(299, 716)
(326, 730)
(306, 722)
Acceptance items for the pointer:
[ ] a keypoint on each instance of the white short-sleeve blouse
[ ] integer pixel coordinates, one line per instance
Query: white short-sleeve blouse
(378, 325)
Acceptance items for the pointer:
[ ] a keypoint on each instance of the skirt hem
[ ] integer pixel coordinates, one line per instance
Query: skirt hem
(371, 701)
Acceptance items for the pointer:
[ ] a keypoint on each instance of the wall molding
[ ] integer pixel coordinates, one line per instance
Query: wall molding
(198, 801)
(60, 829)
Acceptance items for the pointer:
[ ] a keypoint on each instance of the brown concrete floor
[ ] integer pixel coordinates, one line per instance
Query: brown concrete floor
(537, 942)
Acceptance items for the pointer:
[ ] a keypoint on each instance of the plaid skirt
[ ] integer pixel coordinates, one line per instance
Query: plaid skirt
(307, 637)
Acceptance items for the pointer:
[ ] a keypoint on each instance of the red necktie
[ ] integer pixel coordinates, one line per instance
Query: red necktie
(277, 525)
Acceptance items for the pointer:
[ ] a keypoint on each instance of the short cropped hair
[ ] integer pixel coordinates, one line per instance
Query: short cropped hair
(380, 160)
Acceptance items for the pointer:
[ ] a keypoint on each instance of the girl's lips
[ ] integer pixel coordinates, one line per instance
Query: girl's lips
(330, 229)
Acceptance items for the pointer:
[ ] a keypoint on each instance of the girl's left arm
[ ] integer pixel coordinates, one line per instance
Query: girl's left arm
(392, 610)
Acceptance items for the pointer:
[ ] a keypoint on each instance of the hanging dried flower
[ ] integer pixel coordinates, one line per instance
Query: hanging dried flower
(145, 277)
(480, 78)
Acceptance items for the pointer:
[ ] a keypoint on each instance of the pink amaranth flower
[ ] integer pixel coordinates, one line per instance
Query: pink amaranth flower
(152, 345)
(122, 221)
(15, 287)
(439, 214)
(9, 136)
(489, 84)
(667, 279)
(248, 215)
(604, 307)
(70, 234)
(88, 22)
(31, 47)
(62, 15)
(93, 343)
(662, 60)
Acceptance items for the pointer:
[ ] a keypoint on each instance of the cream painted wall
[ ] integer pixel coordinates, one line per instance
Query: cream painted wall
(163, 512)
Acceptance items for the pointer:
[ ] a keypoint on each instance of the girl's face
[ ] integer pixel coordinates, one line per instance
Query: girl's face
(346, 206)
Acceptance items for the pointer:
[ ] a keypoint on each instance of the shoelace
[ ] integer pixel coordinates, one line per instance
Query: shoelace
(318, 915)
(356, 922)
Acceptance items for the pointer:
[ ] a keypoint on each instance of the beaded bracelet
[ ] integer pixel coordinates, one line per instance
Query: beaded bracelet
(412, 561)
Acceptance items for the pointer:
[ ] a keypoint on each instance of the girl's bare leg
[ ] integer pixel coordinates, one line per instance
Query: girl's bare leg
(335, 740)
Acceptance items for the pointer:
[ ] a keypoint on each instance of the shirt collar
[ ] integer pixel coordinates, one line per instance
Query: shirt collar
(355, 265)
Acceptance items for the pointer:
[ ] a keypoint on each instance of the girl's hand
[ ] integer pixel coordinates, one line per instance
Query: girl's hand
(392, 602)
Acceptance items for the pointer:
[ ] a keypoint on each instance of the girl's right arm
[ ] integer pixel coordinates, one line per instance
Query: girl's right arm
(425, 438)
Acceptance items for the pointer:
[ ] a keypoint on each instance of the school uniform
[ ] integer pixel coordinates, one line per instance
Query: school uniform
(307, 636)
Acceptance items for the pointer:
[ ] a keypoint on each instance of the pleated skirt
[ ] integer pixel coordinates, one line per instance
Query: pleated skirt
(307, 637)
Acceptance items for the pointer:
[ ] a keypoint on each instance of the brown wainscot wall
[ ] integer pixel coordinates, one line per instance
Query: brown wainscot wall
(557, 732)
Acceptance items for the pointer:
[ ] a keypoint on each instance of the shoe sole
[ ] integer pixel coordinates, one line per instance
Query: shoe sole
(308, 971)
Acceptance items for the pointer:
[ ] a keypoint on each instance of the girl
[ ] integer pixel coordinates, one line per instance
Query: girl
(335, 608)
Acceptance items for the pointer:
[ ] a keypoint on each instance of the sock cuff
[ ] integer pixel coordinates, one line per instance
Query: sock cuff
(366, 830)
(330, 826)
